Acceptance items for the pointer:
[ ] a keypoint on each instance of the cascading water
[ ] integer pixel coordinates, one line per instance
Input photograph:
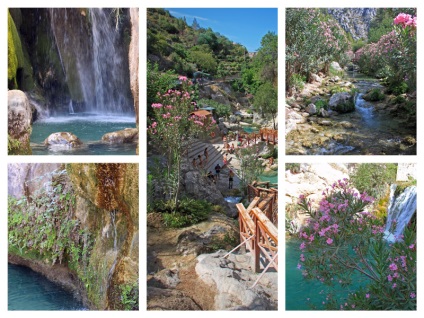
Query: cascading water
(94, 60)
(400, 211)
(108, 63)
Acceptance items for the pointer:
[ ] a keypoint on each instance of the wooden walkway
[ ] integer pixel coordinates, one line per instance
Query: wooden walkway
(259, 228)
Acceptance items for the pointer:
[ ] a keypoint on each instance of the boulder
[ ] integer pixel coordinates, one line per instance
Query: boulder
(311, 109)
(19, 123)
(336, 66)
(323, 113)
(127, 135)
(233, 278)
(292, 119)
(63, 139)
(316, 78)
(342, 102)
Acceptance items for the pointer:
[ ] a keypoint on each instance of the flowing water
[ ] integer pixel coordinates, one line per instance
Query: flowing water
(28, 290)
(89, 128)
(373, 132)
(400, 211)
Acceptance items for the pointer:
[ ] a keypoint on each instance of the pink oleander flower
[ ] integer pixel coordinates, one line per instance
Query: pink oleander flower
(367, 295)
(393, 267)
(394, 285)
(302, 246)
(411, 246)
(389, 278)
(157, 105)
(183, 78)
(329, 241)
(299, 266)
(412, 295)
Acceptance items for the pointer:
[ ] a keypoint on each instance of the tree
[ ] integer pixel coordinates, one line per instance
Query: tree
(267, 58)
(195, 25)
(170, 128)
(158, 81)
(266, 100)
(204, 60)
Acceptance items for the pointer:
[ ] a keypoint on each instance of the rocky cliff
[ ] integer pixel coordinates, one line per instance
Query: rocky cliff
(355, 21)
(78, 225)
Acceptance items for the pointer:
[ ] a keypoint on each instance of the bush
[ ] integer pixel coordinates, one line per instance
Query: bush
(297, 81)
(187, 212)
(398, 88)
(343, 238)
(374, 95)
(320, 103)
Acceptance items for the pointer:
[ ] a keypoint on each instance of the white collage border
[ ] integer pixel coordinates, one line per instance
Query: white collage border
(141, 159)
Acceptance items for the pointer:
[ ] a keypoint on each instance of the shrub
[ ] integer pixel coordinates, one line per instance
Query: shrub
(188, 212)
(297, 81)
(343, 238)
(374, 95)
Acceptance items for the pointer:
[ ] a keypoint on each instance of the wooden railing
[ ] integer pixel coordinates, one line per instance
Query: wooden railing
(258, 234)
(269, 135)
(268, 199)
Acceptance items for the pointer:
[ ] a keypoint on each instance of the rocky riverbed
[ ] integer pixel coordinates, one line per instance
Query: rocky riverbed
(331, 117)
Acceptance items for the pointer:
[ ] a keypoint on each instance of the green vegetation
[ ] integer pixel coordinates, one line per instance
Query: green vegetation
(374, 178)
(313, 41)
(42, 226)
(374, 95)
(221, 110)
(186, 49)
(129, 296)
(187, 212)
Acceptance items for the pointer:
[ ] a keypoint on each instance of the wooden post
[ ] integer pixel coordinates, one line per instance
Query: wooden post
(257, 251)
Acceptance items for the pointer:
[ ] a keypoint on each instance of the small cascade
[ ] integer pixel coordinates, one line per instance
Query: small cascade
(115, 235)
(71, 108)
(400, 211)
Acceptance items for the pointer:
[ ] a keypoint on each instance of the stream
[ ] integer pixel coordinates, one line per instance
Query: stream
(365, 131)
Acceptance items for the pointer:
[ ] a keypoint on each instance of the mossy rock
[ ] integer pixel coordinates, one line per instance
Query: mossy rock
(19, 71)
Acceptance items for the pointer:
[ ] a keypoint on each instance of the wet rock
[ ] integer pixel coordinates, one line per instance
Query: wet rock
(315, 130)
(346, 124)
(336, 66)
(338, 137)
(342, 102)
(19, 122)
(323, 122)
(305, 114)
(311, 109)
(307, 144)
(409, 140)
(63, 139)
(127, 135)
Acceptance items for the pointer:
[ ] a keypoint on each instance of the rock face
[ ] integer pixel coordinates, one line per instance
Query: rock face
(106, 209)
(133, 59)
(310, 181)
(127, 135)
(355, 21)
(233, 277)
(19, 123)
(342, 102)
(63, 139)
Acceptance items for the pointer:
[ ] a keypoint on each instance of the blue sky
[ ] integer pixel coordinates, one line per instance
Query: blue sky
(246, 26)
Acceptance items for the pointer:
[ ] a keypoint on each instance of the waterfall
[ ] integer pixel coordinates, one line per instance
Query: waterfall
(115, 235)
(401, 209)
(71, 108)
(94, 59)
(109, 66)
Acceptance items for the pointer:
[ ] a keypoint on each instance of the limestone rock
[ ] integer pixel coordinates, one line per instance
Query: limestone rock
(19, 122)
(311, 109)
(127, 135)
(292, 119)
(63, 139)
(133, 59)
(232, 277)
(342, 102)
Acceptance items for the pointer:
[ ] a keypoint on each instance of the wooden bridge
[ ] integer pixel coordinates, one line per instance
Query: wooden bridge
(259, 228)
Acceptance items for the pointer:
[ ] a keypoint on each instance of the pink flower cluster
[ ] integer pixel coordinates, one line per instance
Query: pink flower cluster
(405, 20)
